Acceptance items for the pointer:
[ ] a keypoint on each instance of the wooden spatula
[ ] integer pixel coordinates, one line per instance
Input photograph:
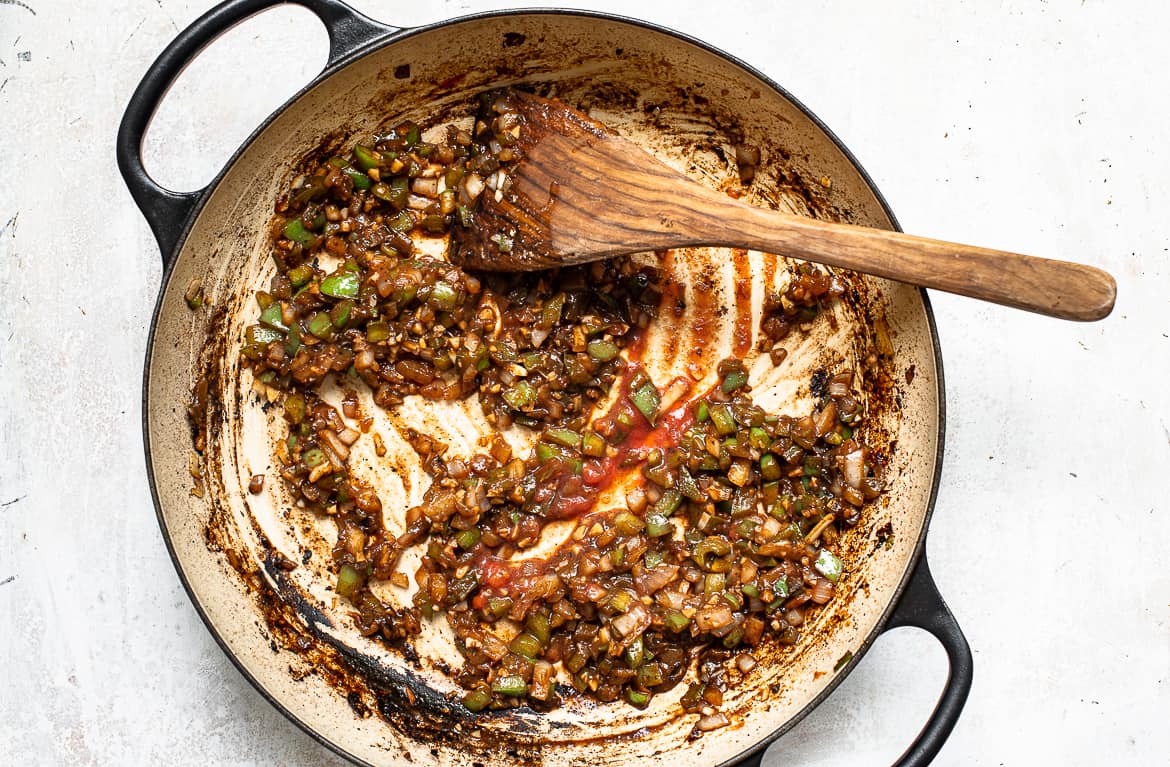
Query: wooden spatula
(580, 192)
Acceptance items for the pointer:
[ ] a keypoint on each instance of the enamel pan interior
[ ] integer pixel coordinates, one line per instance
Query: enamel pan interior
(688, 105)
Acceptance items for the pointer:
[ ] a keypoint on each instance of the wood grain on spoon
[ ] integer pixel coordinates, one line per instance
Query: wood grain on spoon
(580, 193)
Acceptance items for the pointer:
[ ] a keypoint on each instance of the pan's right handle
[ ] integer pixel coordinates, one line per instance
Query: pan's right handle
(167, 211)
(923, 607)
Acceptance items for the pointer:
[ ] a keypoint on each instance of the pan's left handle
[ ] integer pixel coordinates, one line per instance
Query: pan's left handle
(167, 212)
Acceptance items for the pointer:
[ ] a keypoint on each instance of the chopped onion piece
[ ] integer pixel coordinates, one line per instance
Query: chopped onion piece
(473, 186)
(427, 187)
(712, 722)
(714, 616)
(853, 468)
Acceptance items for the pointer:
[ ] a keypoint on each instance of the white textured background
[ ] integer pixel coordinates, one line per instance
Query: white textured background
(1029, 125)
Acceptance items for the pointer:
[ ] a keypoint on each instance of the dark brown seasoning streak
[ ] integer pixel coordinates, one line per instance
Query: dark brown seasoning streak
(770, 271)
(744, 318)
(706, 316)
(672, 307)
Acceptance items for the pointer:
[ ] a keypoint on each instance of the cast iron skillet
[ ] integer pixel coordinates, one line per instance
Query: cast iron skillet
(218, 235)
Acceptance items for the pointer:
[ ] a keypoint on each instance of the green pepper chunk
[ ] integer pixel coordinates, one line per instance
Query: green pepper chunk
(273, 318)
(602, 351)
(410, 134)
(360, 180)
(339, 314)
(550, 315)
(468, 538)
(443, 296)
(349, 580)
(295, 408)
(769, 467)
(593, 445)
(295, 230)
(367, 158)
(398, 197)
(300, 275)
(734, 380)
(650, 675)
(460, 589)
(646, 400)
(627, 523)
(687, 485)
(538, 625)
(702, 411)
(403, 222)
(434, 223)
(636, 698)
(376, 332)
(636, 653)
(381, 191)
(620, 600)
(341, 284)
(657, 525)
(527, 645)
(258, 334)
(465, 216)
(292, 343)
(499, 606)
(521, 396)
(676, 621)
(511, 685)
(566, 437)
(668, 503)
(829, 565)
(722, 419)
(313, 457)
(321, 325)
(476, 700)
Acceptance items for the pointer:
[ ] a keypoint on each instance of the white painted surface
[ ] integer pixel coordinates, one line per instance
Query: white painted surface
(1036, 126)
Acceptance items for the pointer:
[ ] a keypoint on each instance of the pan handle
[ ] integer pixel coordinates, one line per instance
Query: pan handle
(166, 211)
(923, 607)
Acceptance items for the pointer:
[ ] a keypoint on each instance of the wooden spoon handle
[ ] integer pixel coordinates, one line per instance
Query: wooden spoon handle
(582, 193)
(1055, 288)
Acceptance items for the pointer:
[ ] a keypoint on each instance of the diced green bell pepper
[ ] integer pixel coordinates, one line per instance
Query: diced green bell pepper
(341, 284)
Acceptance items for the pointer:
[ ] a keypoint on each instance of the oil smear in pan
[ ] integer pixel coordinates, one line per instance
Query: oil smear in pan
(616, 515)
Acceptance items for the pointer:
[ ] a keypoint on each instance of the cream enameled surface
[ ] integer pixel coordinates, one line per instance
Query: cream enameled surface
(108, 663)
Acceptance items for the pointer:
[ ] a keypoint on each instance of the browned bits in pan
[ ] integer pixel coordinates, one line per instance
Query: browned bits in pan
(256, 484)
(730, 513)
